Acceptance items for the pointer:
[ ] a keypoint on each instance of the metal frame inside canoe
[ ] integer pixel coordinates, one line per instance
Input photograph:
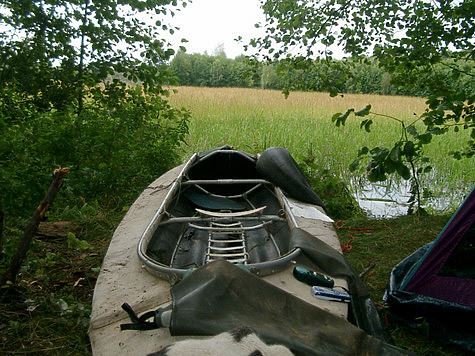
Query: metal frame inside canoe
(123, 279)
(260, 268)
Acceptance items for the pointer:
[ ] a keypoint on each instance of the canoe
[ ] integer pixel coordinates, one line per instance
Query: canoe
(221, 223)
(220, 207)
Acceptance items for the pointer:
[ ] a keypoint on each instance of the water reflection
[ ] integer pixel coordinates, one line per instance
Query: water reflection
(390, 199)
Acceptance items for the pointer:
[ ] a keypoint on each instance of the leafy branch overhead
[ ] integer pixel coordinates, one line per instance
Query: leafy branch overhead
(407, 38)
(53, 49)
(410, 40)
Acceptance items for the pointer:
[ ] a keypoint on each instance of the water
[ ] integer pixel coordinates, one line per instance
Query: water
(381, 201)
(390, 199)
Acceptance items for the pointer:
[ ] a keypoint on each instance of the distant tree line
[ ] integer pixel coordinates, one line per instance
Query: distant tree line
(346, 76)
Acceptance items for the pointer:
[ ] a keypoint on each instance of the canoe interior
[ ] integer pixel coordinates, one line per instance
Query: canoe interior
(254, 239)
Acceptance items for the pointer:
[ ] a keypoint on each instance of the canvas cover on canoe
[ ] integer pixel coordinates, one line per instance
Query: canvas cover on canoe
(436, 283)
(220, 296)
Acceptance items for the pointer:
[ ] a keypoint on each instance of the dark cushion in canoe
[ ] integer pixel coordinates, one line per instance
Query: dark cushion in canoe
(209, 202)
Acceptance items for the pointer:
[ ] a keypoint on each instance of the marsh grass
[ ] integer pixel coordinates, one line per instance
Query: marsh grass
(254, 119)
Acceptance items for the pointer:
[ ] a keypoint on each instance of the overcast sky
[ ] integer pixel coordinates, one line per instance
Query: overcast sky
(208, 23)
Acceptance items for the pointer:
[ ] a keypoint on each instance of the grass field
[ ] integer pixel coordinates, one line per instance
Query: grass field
(254, 119)
(48, 312)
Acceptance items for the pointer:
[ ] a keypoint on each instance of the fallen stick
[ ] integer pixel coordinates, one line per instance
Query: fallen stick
(11, 273)
(367, 269)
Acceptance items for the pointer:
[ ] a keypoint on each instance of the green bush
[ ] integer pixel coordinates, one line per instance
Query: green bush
(114, 147)
(338, 200)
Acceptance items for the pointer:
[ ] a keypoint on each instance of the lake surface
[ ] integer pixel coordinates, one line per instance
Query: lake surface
(385, 200)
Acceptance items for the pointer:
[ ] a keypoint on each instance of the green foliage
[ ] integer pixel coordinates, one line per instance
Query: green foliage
(333, 191)
(75, 243)
(54, 324)
(50, 309)
(344, 76)
(52, 50)
(67, 98)
(214, 71)
(80, 86)
(114, 148)
(406, 158)
(434, 58)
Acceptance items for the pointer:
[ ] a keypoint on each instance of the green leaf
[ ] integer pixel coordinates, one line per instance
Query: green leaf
(363, 112)
(403, 171)
(363, 151)
(336, 116)
(389, 166)
(379, 154)
(354, 165)
(76, 244)
(409, 149)
(340, 119)
(411, 130)
(377, 175)
(169, 52)
(367, 126)
(425, 138)
(395, 154)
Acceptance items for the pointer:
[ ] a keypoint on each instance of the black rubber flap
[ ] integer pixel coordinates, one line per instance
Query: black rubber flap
(332, 262)
(220, 296)
(449, 322)
(277, 166)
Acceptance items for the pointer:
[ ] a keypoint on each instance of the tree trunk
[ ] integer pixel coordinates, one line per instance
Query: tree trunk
(81, 58)
(2, 224)
(32, 226)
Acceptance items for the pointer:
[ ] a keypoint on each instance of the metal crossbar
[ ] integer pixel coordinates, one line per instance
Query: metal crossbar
(229, 230)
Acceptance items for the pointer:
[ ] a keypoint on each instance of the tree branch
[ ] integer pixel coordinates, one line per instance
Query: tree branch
(388, 116)
(457, 69)
(24, 244)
